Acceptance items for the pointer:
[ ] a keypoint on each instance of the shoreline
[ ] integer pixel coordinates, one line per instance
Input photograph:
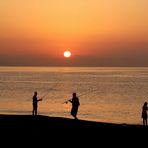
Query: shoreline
(45, 129)
(58, 122)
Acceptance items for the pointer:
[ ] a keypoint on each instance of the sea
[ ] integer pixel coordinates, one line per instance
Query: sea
(106, 94)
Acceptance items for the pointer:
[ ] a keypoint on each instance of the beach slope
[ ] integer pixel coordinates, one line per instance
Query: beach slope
(37, 127)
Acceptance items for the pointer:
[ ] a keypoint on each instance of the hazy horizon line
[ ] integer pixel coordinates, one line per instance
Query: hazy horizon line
(61, 66)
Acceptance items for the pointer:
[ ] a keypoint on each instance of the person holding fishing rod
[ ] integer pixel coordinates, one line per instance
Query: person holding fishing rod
(75, 105)
(35, 101)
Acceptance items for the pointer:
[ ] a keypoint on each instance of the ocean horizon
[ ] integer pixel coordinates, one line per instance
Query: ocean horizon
(107, 94)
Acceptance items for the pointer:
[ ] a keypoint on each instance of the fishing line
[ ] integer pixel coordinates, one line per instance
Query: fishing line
(83, 94)
(52, 88)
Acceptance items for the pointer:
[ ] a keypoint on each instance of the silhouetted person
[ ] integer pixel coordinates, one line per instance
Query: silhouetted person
(35, 103)
(75, 105)
(144, 113)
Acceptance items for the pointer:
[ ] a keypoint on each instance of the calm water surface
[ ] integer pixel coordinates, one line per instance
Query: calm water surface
(108, 94)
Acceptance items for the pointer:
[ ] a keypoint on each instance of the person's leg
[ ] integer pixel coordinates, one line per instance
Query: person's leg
(35, 111)
(144, 121)
(76, 118)
(75, 115)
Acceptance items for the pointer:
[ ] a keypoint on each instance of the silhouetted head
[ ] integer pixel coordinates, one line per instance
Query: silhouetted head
(35, 93)
(145, 103)
(74, 94)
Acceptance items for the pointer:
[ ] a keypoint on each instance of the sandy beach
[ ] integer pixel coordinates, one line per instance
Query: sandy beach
(41, 122)
(44, 124)
(39, 129)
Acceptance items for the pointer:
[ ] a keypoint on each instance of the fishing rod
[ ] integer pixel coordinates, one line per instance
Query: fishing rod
(79, 96)
(52, 88)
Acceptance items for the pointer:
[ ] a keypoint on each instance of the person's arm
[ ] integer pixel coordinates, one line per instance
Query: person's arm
(39, 99)
(70, 100)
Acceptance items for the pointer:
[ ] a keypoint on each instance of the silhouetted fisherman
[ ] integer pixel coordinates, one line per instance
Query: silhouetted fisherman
(144, 113)
(35, 103)
(75, 105)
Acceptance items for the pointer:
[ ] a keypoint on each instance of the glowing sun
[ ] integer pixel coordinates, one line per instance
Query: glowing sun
(67, 54)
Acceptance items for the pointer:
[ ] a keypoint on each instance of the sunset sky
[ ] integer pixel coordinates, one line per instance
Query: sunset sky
(97, 32)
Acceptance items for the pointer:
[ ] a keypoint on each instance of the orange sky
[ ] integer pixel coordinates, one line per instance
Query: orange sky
(98, 32)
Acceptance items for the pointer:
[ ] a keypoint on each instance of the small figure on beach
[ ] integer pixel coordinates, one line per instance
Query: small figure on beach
(144, 113)
(75, 105)
(35, 101)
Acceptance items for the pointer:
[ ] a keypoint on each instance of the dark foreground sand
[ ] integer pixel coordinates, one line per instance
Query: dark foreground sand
(41, 123)
(38, 128)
